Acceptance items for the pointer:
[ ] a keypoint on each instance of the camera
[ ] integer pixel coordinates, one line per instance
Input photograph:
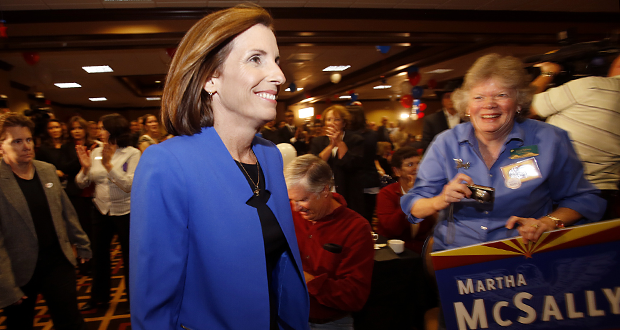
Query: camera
(482, 194)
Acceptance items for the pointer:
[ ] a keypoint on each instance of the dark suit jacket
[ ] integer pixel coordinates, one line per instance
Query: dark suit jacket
(433, 124)
(19, 248)
(286, 135)
(347, 171)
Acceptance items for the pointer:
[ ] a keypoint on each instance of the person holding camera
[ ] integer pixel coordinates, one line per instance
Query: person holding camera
(588, 109)
(499, 175)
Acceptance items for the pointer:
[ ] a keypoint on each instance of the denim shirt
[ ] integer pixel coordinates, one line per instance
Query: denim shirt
(561, 183)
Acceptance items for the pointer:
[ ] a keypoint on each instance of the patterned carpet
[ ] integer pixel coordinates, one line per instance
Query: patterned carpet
(115, 317)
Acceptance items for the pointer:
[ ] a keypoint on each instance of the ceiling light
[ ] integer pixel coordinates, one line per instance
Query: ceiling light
(345, 97)
(337, 68)
(39, 95)
(310, 99)
(97, 69)
(306, 112)
(153, 98)
(2, 96)
(382, 87)
(97, 99)
(158, 81)
(440, 71)
(68, 85)
(288, 89)
(402, 74)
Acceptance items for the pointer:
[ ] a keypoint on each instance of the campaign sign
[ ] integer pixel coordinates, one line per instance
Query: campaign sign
(568, 279)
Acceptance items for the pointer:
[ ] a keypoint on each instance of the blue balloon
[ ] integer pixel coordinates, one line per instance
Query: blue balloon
(412, 69)
(416, 102)
(417, 92)
(354, 97)
(292, 87)
(383, 49)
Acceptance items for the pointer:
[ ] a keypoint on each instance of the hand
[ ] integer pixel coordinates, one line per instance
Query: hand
(407, 182)
(529, 228)
(454, 191)
(308, 276)
(335, 135)
(83, 156)
(21, 300)
(107, 153)
(549, 67)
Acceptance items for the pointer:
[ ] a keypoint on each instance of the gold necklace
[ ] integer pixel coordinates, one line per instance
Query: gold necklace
(256, 188)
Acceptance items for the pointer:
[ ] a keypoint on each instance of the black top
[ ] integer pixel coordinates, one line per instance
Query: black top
(41, 216)
(275, 241)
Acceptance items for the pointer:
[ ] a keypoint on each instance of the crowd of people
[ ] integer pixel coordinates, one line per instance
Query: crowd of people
(217, 216)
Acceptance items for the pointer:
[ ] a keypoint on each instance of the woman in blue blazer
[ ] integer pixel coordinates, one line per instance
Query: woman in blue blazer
(212, 238)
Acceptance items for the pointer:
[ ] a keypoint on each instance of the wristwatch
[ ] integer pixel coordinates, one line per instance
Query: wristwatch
(558, 223)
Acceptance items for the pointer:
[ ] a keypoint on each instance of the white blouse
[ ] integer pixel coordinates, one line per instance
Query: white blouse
(112, 189)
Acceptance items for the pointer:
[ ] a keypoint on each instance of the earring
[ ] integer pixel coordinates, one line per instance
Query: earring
(210, 93)
(467, 114)
(518, 110)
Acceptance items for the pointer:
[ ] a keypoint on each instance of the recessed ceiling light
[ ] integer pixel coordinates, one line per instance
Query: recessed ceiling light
(382, 87)
(68, 85)
(402, 74)
(97, 69)
(39, 95)
(288, 89)
(440, 71)
(97, 99)
(345, 97)
(153, 98)
(3, 96)
(158, 81)
(336, 68)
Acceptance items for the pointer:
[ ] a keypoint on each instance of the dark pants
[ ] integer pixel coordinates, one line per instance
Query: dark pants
(84, 208)
(55, 279)
(613, 204)
(104, 228)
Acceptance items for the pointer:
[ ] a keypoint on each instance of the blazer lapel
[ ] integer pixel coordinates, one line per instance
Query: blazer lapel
(14, 195)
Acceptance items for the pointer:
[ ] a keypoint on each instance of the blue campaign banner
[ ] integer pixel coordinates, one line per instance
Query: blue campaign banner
(568, 279)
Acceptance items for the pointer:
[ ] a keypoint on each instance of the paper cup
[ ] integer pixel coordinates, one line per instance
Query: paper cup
(397, 245)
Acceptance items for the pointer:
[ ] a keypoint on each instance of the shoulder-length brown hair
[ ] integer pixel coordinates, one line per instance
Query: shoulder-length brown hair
(186, 106)
(88, 141)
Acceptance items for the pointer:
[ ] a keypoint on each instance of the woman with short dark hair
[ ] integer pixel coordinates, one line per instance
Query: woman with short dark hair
(111, 168)
(213, 243)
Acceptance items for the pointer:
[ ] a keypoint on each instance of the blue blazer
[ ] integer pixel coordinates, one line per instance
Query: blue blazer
(196, 249)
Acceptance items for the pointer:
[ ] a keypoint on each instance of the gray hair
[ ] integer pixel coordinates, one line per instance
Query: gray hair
(309, 171)
(507, 69)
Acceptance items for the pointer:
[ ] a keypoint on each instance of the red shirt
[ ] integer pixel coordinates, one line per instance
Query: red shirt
(393, 222)
(342, 280)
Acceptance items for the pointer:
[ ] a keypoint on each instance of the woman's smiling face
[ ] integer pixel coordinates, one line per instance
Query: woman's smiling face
(492, 108)
(248, 82)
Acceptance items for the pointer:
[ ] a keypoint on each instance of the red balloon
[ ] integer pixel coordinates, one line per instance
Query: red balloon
(420, 115)
(171, 52)
(406, 101)
(422, 106)
(414, 78)
(31, 58)
(432, 83)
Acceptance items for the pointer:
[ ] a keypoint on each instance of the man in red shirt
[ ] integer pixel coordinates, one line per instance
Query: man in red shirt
(335, 244)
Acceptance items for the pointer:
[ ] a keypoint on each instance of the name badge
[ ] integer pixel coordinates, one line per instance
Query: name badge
(524, 152)
(519, 172)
